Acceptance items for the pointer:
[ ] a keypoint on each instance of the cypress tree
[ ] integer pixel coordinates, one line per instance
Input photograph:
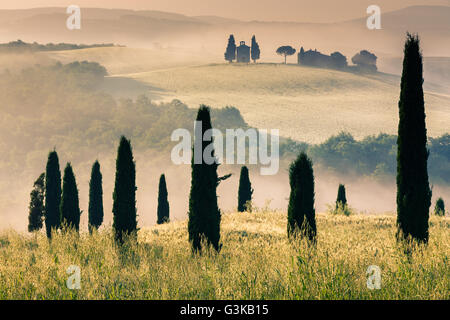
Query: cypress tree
(36, 207)
(413, 190)
(341, 198)
(124, 196)
(95, 198)
(52, 193)
(163, 203)
(70, 207)
(439, 208)
(245, 190)
(255, 53)
(301, 212)
(204, 213)
(230, 53)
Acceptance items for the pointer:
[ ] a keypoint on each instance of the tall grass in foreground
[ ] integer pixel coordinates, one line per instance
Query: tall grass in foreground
(256, 262)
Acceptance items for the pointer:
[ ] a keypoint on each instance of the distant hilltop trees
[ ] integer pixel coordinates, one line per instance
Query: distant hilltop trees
(364, 61)
(285, 51)
(20, 45)
(243, 53)
(314, 58)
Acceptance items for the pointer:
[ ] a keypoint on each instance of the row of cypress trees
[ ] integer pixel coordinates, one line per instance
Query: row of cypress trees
(61, 208)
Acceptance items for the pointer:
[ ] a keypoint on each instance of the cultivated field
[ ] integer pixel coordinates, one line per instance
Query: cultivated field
(307, 104)
(256, 262)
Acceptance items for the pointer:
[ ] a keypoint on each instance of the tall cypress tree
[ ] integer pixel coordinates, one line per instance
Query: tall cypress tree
(230, 53)
(163, 203)
(245, 190)
(341, 197)
(301, 212)
(52, 193)
(413, 190)
(255, 53)
(36, 208)
(124, 196)
(95, 198)
(70, 207)
(204, 213)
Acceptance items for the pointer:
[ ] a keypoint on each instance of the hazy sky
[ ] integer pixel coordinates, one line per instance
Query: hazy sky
(282, 10)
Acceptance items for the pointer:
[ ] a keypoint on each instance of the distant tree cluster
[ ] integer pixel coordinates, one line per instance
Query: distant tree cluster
(314, 58)
(373, 156)
(364, 61)
(21, 46)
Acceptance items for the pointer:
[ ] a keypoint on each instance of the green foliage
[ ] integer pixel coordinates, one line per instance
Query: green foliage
(439, 159)
(439, 208)
(255, 52)
(204, 213)
(413, 190)
(36, 207)
(341, 197)
(340, 209)
(245, 191)
(70, 207)
(163, 203)
(124, 196)
(230, 53)
(301, 212)
(365, 61)
(95, 197)
(52, 194)
(373, 156)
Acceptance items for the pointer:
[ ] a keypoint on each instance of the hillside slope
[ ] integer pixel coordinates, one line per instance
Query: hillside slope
(307, 104)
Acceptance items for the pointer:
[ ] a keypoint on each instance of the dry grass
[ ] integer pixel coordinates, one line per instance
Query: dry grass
(256, 262)
(307, 104)
(124, 60)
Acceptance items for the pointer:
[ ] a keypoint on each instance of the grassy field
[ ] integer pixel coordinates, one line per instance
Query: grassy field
(257, 262)
(307, 104)
(124, 60)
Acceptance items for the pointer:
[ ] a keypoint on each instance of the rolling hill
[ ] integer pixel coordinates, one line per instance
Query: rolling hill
(306, 104)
